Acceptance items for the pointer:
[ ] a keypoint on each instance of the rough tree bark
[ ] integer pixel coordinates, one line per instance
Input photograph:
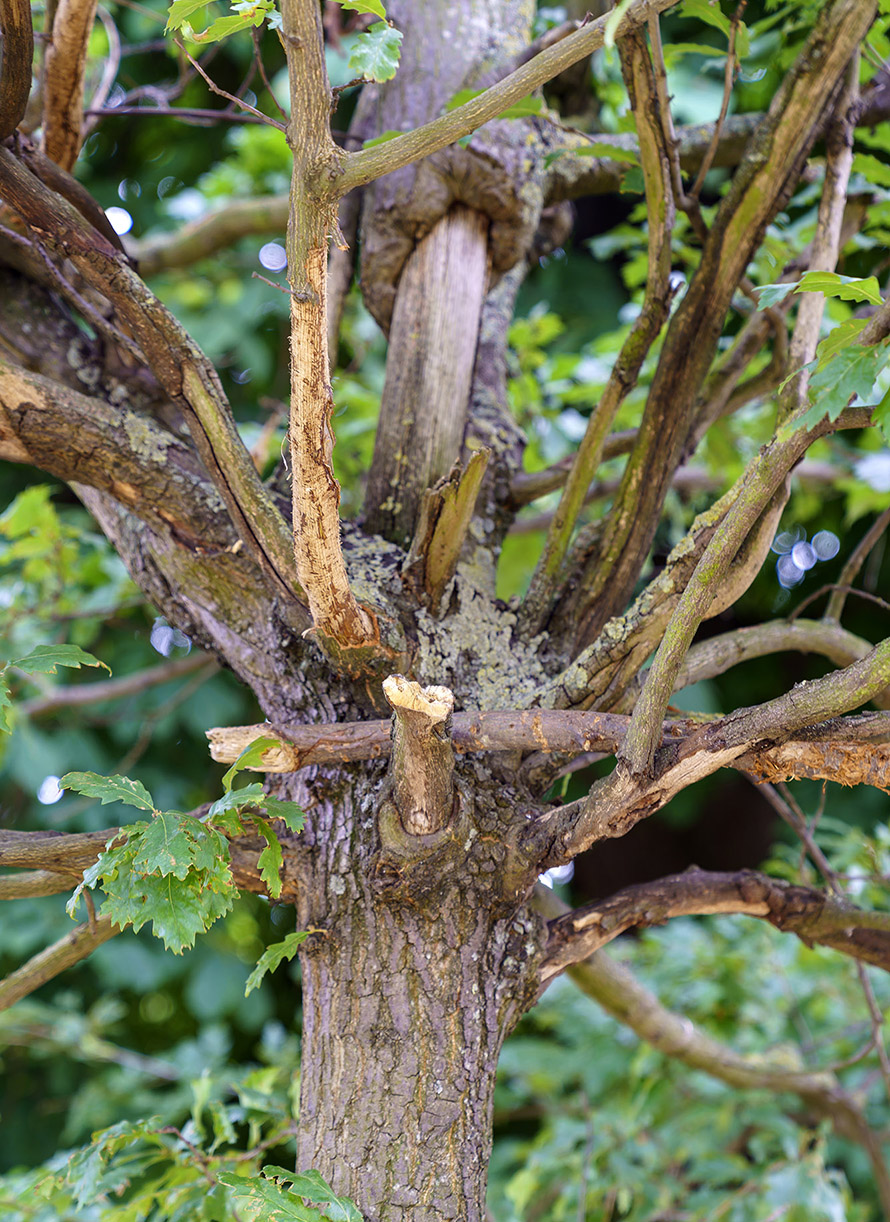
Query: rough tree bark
(417, 877)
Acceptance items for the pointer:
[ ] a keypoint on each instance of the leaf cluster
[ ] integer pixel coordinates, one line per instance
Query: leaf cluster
(174, 869)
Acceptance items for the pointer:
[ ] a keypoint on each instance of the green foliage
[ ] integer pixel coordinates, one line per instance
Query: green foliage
(375, 56)
(272, 957)
(246, 14)
(174, 870)
(621, 1131)
(847, 288)
(262, 1199)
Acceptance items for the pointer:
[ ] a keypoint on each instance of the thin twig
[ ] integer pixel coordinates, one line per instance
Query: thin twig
(844, 590)
(728, 81)
(857, 558)
(257, 51)
(214, 88)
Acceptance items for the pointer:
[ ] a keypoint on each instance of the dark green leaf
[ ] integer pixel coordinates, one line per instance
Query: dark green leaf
(311, 1186)
(289, 812)
(271, 859)
(251, 755)
(44, 659)
(272, 957)
(109, 789)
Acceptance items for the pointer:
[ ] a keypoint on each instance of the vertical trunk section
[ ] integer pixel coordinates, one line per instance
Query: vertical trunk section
(407, 998)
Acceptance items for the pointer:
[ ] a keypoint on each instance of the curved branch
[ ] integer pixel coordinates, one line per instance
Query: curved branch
(65, 64)
(812, 915)
(76, 695)
(240, 218)
(365, 166)
(720, 653)
(15, 70)
(71, 949)
(181, 368)
(31, 883)
(614, 987)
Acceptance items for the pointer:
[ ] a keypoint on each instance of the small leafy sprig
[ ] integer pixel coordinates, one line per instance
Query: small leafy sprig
(174, 869)
(42, 660)
(375, 55)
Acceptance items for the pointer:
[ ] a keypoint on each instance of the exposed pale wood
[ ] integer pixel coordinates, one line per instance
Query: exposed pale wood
(432, 346)
(422, 755)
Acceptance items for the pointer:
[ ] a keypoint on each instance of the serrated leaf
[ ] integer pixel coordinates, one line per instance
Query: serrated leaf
(260, 1200)
(848, 288)
(251, 756)
(289, 813)
(769, 295)
(89, 879)
(237, 799)
(365, 6)
(5, 705)
(44, 659)
(272, 957)
(181, 10)
(852, 371)
(178, 909)
(271, 859)
(375, 55)
(165, 847)
(109, 789)
(841, 336)
(312, 1187)
(711, 14)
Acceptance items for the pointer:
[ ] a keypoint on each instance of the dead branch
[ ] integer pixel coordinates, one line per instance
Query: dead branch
(812, 915)
(422, 755)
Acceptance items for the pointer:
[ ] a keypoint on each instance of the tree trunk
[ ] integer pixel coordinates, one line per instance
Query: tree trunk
(409, 989)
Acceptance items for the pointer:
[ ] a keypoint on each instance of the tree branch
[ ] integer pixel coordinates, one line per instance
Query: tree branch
(365, 166)
(812, 915)
(620, 994)
(720, 653)
(636, 67)
(760, 483)
(15, 68)
(769, 171)
(65, 64)
(141, 464)
(620, 800)
(344, 628)
(71, 949)
(76, 695)
(850, 750)
(182, 369)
